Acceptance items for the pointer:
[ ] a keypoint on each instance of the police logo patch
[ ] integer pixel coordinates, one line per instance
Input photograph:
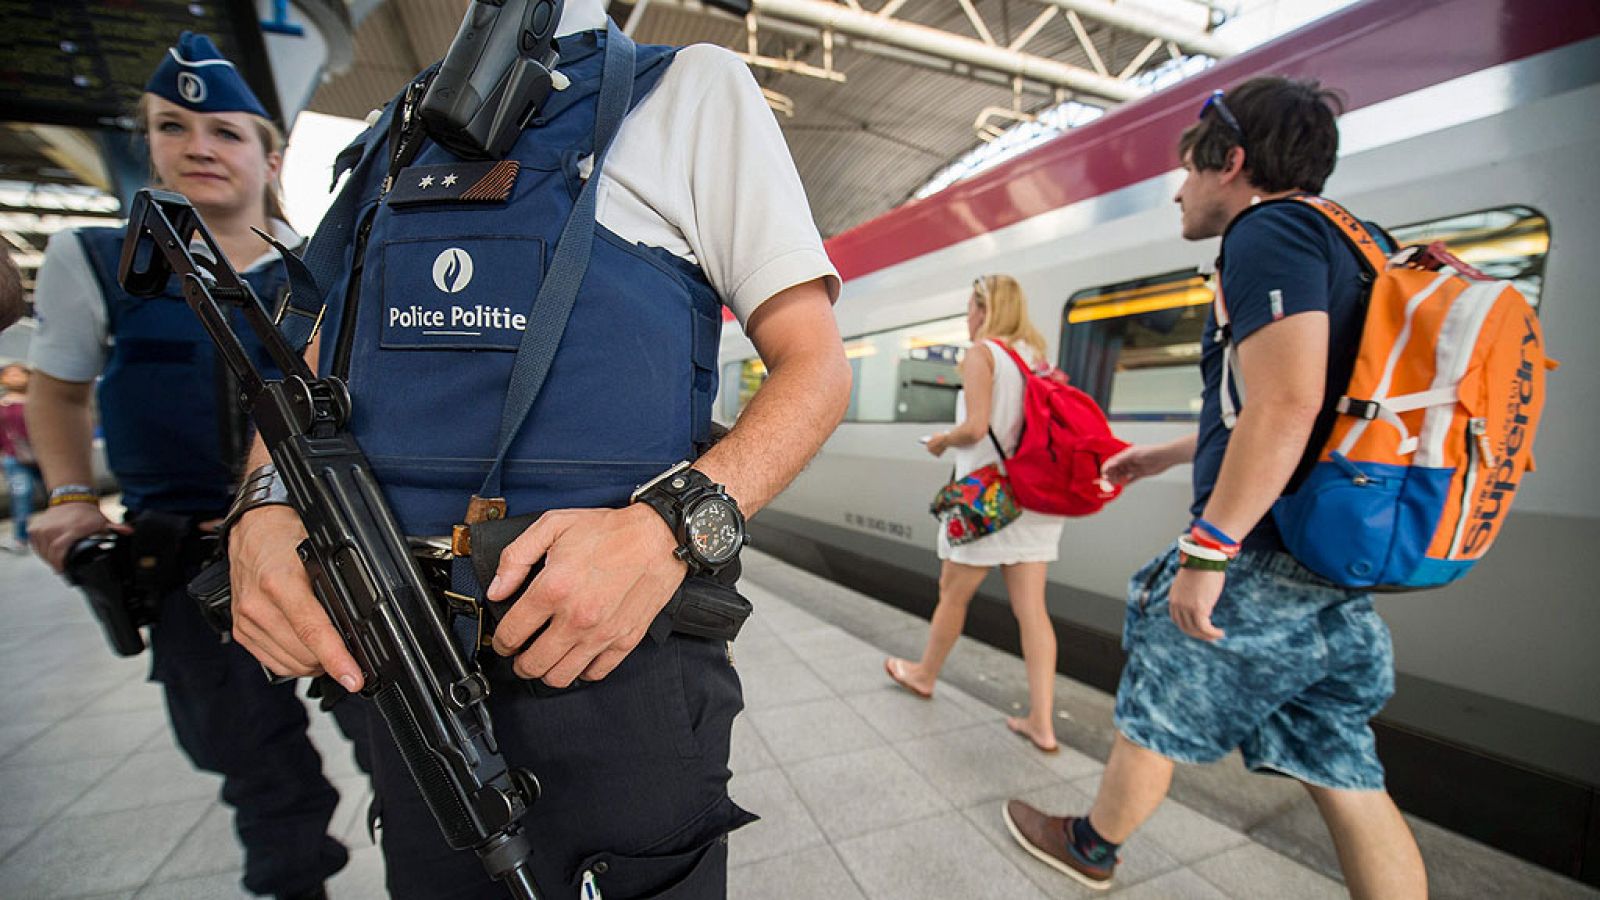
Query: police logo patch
(191, 87)
(452, 270)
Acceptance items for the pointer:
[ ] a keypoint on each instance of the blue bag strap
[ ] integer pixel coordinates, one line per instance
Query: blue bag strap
(547, 320)
(311, 277)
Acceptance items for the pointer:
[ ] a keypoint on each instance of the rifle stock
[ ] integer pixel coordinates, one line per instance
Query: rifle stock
(360, 565)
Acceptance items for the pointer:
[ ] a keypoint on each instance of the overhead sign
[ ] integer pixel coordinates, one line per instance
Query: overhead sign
(84, 62)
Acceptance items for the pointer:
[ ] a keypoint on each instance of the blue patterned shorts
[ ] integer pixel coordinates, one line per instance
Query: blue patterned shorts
(1304, 667)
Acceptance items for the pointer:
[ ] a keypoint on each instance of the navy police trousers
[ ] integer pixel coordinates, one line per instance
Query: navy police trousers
(634, 770)
(229, 720)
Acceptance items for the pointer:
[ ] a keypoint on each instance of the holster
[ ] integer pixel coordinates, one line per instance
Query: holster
(706, 606)
(125, 576)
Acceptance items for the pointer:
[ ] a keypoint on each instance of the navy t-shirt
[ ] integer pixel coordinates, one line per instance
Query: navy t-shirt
(1279, 259)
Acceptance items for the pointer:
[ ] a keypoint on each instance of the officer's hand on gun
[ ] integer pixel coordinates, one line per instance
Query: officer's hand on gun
(54, 531)
(275, 615)
(607, 573)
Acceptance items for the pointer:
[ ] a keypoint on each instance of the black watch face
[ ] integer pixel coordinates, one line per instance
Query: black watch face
(714, 531)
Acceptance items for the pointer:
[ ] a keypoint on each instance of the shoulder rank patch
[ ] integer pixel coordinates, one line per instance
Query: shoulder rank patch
(467, 182)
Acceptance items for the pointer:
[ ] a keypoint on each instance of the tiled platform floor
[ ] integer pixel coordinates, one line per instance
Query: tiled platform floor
(865, 791)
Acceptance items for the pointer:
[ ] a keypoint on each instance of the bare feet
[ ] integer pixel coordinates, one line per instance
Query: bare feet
(1045, 740)
(906, 675)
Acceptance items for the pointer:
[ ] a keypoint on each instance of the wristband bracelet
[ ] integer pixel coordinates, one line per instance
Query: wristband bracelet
(72, 493)
(1206, 540)
(1193, 555)
(1221, 536)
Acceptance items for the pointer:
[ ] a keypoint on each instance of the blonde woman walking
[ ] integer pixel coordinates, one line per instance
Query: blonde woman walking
(991, 400)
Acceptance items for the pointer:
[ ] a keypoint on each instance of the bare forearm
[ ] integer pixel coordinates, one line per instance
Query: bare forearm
(967, 433)
(1263, 452)
(61, 430)
(781, 430)
(1177, 452)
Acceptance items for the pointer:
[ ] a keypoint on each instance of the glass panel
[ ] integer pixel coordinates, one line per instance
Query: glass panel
(1511, 243)
(906, 374)
(1135, 345)
(740, 381)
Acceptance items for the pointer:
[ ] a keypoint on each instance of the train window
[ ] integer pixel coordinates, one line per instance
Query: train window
(906, 374)
(1135, 345)
(740, 381)
(1511, 242)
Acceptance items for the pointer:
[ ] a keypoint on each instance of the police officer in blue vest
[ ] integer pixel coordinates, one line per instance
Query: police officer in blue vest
(652, 189)
(175, 442)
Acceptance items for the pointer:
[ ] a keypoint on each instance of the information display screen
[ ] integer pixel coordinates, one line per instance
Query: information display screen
(84, 62)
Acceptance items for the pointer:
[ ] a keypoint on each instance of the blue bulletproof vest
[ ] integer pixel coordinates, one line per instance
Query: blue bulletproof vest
(160, 396)
(455, 255)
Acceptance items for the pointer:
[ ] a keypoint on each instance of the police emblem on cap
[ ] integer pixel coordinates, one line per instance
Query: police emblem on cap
(452, 270)
(194, 74)
(191, 87)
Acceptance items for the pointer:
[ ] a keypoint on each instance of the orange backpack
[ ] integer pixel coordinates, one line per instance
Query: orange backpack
(1435, 428)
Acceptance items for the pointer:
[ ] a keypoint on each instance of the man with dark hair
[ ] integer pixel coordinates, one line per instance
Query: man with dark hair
(12, 305)
(1231, 642)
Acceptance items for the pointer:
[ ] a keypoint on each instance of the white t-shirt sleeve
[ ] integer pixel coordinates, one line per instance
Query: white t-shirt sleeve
(70, 341)
(704, 155)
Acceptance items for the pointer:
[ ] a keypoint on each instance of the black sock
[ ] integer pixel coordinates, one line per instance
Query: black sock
(1089, 844)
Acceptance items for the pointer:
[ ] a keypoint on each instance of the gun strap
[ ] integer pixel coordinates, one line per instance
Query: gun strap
(548, 317)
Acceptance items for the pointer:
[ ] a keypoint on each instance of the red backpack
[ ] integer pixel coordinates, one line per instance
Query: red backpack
(1065, 440)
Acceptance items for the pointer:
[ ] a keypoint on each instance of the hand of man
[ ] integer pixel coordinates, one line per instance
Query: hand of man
(607, 573)
(1133, 463)
(275, 614)
(53, 532)
(939, 443)
(1191, 599)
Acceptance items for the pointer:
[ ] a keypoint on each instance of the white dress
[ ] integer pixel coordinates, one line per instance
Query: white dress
(1034, 537)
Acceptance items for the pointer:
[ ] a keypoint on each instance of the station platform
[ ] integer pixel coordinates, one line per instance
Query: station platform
(864, 790)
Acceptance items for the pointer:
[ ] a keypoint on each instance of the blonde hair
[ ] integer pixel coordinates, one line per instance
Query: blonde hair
(272, 141)
(1006, 312)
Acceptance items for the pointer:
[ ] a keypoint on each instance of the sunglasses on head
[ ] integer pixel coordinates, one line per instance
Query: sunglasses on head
(980, 286)
(1216, 102)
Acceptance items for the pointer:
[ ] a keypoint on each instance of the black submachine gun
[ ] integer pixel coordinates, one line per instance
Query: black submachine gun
(359, 563)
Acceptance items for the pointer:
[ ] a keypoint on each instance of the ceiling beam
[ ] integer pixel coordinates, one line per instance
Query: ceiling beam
(932, 41)
(1128, 19)
(940, 64)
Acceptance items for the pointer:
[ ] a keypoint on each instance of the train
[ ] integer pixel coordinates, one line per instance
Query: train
(1474, 122)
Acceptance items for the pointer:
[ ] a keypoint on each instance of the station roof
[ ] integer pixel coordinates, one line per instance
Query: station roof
(873, 96)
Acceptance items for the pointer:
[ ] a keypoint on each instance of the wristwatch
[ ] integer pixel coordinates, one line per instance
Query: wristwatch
(704, 519)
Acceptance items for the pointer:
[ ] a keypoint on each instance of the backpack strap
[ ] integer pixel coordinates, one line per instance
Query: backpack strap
(1015, 357)
(1231, 382)
(1355, 234)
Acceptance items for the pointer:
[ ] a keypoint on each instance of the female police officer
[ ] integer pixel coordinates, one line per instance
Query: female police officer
(698, 205)
(169, 443)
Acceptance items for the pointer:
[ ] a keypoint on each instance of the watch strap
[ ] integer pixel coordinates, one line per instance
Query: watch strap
(262, 487)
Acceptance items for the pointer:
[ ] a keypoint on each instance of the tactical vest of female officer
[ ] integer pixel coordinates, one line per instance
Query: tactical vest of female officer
(167, 426)
(453, 258)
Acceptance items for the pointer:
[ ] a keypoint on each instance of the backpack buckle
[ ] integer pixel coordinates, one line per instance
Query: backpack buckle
(1361, 409)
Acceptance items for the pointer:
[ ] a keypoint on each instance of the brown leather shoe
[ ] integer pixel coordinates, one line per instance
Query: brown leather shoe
(1046, 838)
